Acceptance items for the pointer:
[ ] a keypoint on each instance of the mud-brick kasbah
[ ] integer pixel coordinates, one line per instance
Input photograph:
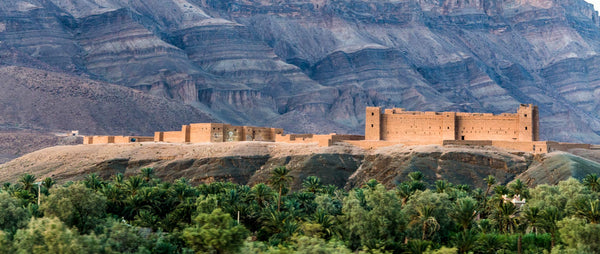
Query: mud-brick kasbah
(514, 131)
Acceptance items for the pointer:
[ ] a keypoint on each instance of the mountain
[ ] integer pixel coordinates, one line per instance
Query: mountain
(310, 65)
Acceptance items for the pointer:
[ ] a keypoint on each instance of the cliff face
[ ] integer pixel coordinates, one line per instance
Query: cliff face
(344, 166)
(313, 65)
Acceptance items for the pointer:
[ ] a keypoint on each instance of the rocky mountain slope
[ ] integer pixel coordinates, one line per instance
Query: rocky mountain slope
(313, 65)
(344, 166)
(35, 105)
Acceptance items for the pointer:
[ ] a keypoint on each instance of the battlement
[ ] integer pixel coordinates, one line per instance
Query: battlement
(219, 132)
(518, 131)
(428, 127)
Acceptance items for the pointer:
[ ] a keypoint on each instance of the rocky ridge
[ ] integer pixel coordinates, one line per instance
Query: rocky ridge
(342, 165)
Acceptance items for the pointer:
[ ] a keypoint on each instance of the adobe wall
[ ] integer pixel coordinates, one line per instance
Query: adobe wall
(396, 124)
(557, 146)
(204, 133)
(487, 127)
(173, 137)
(322, 140)
(103, 139)
(216, 133)
(371, 144)
(261, 133)
(88, 140)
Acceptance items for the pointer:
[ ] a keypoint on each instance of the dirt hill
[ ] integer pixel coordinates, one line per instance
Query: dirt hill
(344, 166)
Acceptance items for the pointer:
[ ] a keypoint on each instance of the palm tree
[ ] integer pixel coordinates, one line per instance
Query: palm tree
(425, 216)
(27, 181)
(464, 241)
(6, 186)
(489, 243)
(549, 217)
(327, 223)
(416, 176)
(404, 191)
(464, 212)
(505, 217)
(133, 184)
(499, 192)
(93, 181)
(280, 180)
(592, 182)
(417, 246)
(371, 184)
(48, 182)
(114, 198)
(147, 173)
(519, 188)
(489, 181)
(118, 179)
(441, 186)
(588, 209)
(532, 218)
(312, 184)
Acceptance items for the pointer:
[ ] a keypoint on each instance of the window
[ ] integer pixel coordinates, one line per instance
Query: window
(371, 126)
(462, 137)
(525, 127)
(525, 115)
(372, 113)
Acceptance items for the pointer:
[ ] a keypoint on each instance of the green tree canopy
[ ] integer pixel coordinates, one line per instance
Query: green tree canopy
(216, 232)
(76, 206)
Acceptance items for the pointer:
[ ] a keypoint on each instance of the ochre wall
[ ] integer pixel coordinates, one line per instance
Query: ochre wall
(373, 123)
(487, 127)
(434, 127)
(173, 137)
(200, 132)
(322, 140)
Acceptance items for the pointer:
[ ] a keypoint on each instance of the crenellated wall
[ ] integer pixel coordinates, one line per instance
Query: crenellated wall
(396, 124)
(516, 131)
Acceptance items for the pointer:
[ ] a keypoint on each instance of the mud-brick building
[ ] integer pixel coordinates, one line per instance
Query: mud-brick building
(217, 132)
(396, 124)
(519, 131)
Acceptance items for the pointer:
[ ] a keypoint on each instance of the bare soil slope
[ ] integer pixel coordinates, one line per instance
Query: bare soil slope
(49, 101)
(344, 165)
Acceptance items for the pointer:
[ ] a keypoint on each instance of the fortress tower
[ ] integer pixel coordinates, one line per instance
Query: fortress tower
(373, 123)
(528, 123)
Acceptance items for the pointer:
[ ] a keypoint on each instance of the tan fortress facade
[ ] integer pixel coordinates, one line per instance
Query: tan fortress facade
(515, 131)
(217, 132)
(434, 127)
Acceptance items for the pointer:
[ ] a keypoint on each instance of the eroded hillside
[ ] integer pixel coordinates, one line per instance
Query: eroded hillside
(344, 166)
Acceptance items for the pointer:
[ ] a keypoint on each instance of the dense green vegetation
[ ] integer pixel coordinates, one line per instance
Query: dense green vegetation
(142, 214)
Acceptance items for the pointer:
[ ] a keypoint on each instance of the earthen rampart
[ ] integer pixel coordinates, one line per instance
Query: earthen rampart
(89, 140)
(516, 131)
(434, 127)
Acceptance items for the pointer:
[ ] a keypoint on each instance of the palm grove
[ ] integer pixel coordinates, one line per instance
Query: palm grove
(142, 214)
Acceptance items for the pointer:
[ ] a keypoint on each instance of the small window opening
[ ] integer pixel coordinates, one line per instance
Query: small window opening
(462, 137)
(372, 113)
(371, 126)
(525, 115)
(525, 127)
